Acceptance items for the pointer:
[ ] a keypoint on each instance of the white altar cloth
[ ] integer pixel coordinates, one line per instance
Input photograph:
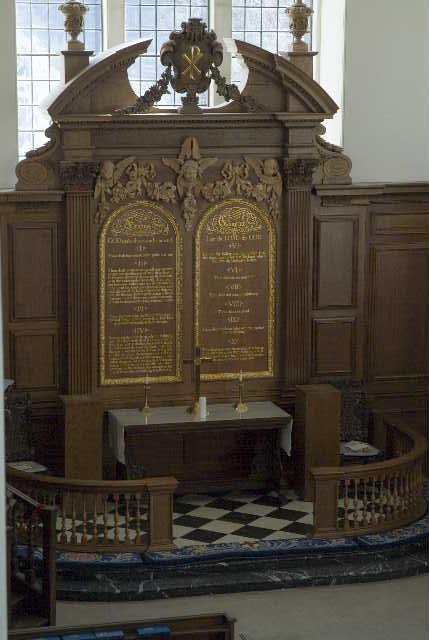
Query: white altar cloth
(119, 419)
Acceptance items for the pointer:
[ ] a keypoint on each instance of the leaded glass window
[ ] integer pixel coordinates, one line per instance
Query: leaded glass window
(265, 24)
(40, 38)
(156, 19)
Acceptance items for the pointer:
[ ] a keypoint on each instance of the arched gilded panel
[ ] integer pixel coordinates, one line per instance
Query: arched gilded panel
(235, 260)
(140, 271)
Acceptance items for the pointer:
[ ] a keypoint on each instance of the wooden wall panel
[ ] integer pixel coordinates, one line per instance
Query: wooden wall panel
(400, 223)
(33, 274)
(333, 352)
(33, 300)
(398, 333)
(34, 358)
(336, 246)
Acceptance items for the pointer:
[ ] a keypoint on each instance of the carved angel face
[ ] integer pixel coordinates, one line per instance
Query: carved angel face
(132, 171)
(106, 170)
(190, 170)
(271, 168)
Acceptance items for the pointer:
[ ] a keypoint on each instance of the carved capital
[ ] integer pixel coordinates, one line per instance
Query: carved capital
(299, 172)
(78, 176)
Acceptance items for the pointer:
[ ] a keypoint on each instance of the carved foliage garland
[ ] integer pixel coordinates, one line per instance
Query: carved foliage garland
(131, 179)
(128, 179)
(235, 181)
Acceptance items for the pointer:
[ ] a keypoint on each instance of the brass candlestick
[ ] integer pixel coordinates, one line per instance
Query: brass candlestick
(240, 406)
(146, 408)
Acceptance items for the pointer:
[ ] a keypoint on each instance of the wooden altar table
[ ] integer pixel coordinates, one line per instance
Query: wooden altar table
(225, 451)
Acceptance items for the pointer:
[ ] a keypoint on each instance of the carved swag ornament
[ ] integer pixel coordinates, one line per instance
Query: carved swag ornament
(235, 181)
(130, 179)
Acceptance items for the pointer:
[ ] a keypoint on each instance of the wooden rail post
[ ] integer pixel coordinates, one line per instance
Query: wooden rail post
(49, 577)
(160, 514)
(325, 506)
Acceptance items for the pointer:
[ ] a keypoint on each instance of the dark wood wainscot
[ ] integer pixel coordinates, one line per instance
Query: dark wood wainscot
(140, 232)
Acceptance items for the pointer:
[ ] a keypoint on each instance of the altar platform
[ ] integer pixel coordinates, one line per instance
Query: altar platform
(251, 557)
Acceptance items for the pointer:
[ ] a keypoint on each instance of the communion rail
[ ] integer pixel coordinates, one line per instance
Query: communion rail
(359, 499)
(30, 524)
(113, 516)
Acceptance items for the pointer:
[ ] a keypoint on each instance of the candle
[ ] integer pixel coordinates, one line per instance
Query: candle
(241, 376)
(202, 402)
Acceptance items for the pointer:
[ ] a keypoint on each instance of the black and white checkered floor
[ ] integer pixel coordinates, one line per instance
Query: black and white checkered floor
(235, 517)
(239, 516)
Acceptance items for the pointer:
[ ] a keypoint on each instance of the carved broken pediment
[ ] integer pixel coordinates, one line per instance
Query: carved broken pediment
(128, 179)
(39, 169)
(335, 166)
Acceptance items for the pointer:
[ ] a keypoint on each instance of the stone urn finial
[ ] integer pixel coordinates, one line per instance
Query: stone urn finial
(74, 12)
(298, 15)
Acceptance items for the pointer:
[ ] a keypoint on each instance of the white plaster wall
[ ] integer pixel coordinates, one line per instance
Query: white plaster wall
(386, 89)
(8, 110)
(328, 39)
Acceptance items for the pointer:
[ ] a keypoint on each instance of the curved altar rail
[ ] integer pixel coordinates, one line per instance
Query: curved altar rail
(360, 499)
(113, 516)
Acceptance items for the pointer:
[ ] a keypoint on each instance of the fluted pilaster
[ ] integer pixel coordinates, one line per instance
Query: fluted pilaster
(298, 173)
(78, 179)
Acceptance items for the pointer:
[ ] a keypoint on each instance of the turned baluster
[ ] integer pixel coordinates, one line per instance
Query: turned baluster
(63, 534)
(30, 574)
(73, 537)
(383, 497)
(337, 500)
(406, 492)
(84, 538)
(94, 519)
(346, 504)
(413, 488)
(356, 503)
(373, 515)
(138, 519)
(116, 519)
(105, 521)
(365, 518)
(388, 499)
(395, 497)
(127, 517)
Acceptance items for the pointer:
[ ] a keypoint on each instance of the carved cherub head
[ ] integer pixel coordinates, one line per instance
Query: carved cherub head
(271, 167)
(189, 166)
(132, 171)
(107, 169)
(190, 170)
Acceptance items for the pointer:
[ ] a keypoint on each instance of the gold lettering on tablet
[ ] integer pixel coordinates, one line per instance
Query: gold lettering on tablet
(235, 261)
(140, 273)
